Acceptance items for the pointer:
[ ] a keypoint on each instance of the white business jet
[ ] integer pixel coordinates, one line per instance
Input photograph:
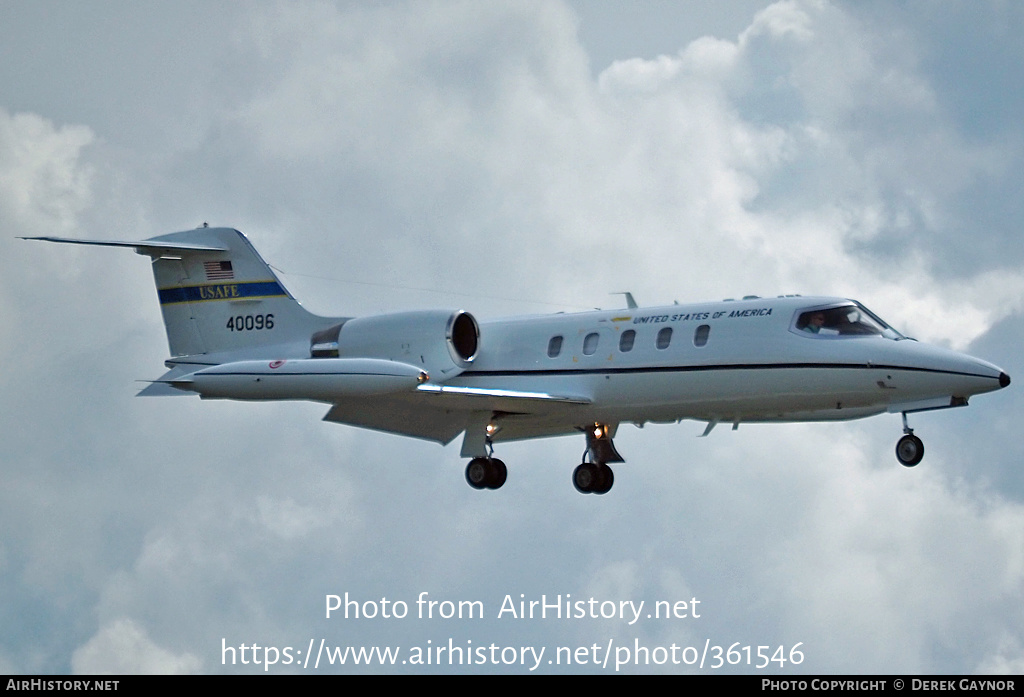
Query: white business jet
(236, 333)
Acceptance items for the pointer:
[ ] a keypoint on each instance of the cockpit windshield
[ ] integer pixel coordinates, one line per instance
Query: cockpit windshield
(845, 320)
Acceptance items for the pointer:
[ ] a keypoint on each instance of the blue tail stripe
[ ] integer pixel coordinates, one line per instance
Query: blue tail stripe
(221, 291)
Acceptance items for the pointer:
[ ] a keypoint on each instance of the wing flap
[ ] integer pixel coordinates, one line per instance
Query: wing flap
(514, 401)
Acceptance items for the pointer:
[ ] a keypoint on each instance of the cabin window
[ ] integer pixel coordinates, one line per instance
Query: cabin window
(590, 344)
(700, 337)
(626, 340)
(664, 338)
(554, 346)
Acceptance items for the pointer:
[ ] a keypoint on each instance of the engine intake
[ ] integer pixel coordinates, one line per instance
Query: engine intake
(463, 336)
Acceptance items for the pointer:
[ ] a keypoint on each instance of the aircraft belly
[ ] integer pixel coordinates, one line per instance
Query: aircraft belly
(753, 393)
(728, 393)
(767, 389)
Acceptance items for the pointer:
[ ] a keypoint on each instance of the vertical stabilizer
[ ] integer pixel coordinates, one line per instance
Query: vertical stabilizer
(223, 301)
(218, 296)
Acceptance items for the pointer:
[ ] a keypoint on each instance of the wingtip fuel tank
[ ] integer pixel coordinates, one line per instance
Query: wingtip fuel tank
(316, 379)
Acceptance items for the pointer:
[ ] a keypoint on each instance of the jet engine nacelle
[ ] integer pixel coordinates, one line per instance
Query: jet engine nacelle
(441, 342)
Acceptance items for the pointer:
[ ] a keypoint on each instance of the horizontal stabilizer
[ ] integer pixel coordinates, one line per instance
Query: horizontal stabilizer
(164, 385)
(161, 389)
(143, 247)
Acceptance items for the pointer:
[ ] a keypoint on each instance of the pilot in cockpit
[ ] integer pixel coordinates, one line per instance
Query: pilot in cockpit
(816, 324)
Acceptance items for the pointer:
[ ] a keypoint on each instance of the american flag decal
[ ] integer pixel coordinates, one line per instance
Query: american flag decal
(218, 270)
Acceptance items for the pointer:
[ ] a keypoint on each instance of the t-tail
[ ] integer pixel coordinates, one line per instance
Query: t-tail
(220, 301)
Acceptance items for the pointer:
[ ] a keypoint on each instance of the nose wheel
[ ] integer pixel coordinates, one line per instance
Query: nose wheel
(909, 448)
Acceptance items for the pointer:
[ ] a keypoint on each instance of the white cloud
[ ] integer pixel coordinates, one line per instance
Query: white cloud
(122, 647)
(904, 566)
(783, 19)
(1008, 659)
(43, 185)
(792, 159)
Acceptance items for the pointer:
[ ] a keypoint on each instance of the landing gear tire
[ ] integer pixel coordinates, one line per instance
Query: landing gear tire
(583, 477)
(486, 473)
(592, 478)
(499, 473)
(909, 450)
(607, 478)
(476, 472)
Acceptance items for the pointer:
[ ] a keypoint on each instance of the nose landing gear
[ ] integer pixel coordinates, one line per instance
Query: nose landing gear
(909, 448)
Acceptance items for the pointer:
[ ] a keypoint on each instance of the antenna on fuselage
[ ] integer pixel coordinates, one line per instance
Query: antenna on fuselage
(630, 303)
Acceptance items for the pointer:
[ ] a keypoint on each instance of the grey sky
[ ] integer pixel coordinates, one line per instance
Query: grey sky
(505, 158)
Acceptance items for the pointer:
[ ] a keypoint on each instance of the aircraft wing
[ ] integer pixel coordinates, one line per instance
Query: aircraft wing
(515, 401)
(400, 417)
(440, 413)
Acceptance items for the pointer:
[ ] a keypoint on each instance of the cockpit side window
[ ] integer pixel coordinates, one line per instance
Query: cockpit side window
(846, 320)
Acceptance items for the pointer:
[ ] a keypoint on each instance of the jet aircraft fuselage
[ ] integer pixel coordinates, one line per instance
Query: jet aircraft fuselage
(235, 333)
(728, 361)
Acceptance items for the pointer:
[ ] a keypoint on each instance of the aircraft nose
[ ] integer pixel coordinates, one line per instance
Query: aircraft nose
(964, 375)
(991, 374)
(995, 377)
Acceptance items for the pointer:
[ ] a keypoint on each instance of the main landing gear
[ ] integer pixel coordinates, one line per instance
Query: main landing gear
(486, 473)
(596, 477)
(593, 477)
(909, 448)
